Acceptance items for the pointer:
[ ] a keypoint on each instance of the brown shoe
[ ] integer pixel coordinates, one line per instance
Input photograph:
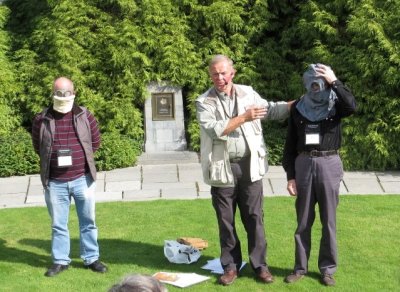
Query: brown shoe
(294, 277)
(328, 280)
(228, 277)
(265, 276)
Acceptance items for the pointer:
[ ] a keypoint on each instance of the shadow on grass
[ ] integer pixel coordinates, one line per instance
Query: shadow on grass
(112, 251)
(15, 255)
(314, 275)
(119, 252)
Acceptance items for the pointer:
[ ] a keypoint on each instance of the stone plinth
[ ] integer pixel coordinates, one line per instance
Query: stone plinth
(164, 119)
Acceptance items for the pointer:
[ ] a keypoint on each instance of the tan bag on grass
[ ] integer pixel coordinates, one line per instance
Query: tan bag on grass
(196, 242)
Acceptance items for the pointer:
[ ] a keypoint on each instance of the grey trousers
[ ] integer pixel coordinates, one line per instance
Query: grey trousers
(318, 181)
(248, 197)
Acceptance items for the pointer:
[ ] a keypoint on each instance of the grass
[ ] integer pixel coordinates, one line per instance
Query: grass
(131, 237)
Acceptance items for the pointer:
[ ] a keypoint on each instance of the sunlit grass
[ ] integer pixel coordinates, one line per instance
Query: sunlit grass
(131, 237)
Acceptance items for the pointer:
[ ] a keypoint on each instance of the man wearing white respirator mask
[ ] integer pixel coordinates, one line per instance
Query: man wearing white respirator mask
(65, 136)
(63, 100)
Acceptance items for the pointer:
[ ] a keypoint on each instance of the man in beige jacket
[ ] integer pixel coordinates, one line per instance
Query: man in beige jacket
(233, 158)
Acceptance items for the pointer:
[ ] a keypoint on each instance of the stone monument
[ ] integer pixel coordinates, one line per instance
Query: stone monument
(164, 119)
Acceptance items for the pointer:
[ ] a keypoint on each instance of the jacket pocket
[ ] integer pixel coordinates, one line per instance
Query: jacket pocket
(217, 172)
(261, 161)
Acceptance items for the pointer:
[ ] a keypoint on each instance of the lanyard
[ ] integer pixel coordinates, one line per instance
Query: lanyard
(234, 110)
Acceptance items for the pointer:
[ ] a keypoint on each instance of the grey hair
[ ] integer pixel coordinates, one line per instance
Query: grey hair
(138, 283)
(220, 58)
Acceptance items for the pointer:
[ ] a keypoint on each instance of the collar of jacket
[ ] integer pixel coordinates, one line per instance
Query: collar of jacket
(76, 110)
(238, 91)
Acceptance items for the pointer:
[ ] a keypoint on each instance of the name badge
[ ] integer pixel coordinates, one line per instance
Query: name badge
(64, 157)
(312, 133)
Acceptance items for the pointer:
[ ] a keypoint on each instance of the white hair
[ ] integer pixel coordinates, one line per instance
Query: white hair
(138, 283)
(220, 58)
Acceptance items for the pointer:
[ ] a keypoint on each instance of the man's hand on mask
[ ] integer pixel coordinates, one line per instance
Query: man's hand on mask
(326, 72)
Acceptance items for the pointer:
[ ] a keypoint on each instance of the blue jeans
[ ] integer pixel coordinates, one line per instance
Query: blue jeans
(58, 199)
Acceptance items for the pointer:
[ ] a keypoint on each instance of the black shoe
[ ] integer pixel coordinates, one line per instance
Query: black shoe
(55, 269)
(98, 267)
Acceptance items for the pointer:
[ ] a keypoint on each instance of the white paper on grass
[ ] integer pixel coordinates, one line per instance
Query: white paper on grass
(185, 279)
(215, 266)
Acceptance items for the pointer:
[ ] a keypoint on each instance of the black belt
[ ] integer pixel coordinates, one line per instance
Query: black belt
(316, 153)
(238, 159)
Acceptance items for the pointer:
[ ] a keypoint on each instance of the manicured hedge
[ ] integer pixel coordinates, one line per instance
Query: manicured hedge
(112, 49)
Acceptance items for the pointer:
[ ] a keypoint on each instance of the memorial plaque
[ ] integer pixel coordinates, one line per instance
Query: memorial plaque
(163, 106)
(164, 117)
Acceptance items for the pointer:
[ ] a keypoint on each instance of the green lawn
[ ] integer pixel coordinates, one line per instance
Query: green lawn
(131, 237)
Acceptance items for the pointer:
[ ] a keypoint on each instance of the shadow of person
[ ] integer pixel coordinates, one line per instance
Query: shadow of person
(314, 275)
(118, 251)
(277, 272)
(248, 272)
(16, 255)
(280, 272)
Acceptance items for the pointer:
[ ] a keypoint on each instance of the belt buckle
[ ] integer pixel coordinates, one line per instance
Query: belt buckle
(314, 153)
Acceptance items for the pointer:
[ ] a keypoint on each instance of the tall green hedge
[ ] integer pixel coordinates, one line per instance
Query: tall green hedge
(112, 49)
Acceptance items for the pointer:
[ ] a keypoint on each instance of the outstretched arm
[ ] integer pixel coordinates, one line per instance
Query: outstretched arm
(249, 115)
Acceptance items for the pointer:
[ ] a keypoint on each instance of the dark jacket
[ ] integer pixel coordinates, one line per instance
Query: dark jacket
(45, 140)
(330, 129)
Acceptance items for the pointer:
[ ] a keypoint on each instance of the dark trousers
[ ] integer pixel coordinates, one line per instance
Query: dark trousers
(248, 196)
(317, 181)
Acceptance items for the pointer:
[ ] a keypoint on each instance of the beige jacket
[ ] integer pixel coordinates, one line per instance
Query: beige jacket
(213, 121)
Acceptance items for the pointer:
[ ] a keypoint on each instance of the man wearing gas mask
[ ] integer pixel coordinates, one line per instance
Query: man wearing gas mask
(313, 165)
(65, 136)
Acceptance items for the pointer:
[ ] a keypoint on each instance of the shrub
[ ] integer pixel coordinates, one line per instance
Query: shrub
(274, 136)
(117, 151)
(17, 156)
(8, 120)
(112, 50)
